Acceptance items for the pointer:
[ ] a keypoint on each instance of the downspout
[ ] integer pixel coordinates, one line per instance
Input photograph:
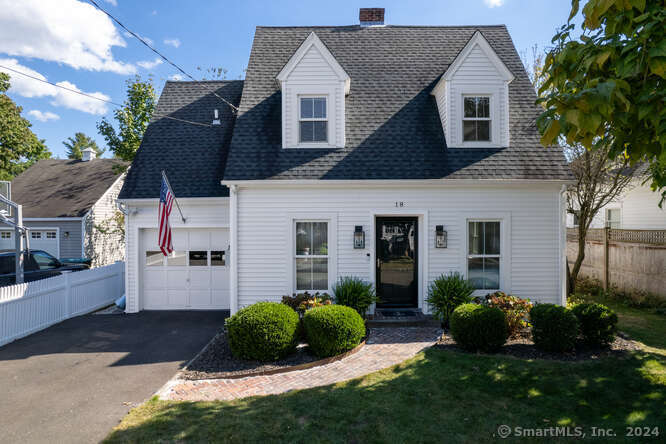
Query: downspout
(563, 246)
(233, 222)
(84, 233)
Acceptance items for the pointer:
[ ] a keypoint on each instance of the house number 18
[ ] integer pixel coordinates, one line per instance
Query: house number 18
(399, 204)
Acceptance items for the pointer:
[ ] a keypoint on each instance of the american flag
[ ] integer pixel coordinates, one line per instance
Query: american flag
(166, 202)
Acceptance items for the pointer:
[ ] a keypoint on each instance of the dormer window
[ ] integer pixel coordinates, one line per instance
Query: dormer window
(313, 121)
(476, 119)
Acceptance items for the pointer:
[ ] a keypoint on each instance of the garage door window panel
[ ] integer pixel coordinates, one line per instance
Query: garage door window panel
(198, 258)
(177, 259)
(154, 259)
(217, 258)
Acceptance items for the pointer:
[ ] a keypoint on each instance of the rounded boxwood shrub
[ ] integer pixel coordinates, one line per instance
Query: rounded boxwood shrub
(479, 327)
(264, 331)
(598, 323)
(554, 328)
(333, 329)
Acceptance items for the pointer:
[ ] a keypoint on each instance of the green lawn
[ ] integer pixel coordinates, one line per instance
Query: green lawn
(438, 396)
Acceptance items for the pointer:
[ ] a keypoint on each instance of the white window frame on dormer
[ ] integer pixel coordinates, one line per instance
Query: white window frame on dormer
(493, 95)
(476, 118)
(302, 119)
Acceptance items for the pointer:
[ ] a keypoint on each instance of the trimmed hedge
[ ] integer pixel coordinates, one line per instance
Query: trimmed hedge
(265, 331)
(554, 328)
(333, 329)
(598, 323)
(479, 327)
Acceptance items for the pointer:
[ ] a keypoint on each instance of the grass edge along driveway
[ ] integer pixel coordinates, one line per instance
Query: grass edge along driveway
(437, 396)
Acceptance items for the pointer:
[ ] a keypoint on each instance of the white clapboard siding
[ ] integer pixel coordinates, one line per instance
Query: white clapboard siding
(265, 215)
(30, 307)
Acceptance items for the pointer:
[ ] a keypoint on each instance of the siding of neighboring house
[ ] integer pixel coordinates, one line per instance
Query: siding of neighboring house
(199, 213)
(531, 258)
(69, 234)
(639, 208)
(104, 241)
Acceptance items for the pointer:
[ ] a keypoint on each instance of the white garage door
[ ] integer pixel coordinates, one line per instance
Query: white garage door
(195, 276)
(40, 239)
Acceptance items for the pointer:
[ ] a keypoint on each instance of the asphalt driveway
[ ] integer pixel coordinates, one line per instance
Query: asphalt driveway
(74, 381)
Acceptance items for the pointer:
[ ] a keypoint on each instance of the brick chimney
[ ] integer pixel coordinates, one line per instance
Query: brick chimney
(371, 16)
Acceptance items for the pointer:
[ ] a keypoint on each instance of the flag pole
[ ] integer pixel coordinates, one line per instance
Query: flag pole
(164, 176)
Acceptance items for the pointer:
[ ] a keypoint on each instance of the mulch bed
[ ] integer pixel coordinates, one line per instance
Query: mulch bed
(217, 362)
(522, 347)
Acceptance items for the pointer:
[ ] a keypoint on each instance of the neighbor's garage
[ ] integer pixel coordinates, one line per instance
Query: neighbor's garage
(40, 239)
(195, 276)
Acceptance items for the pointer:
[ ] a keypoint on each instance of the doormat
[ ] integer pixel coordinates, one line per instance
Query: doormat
(398, 314)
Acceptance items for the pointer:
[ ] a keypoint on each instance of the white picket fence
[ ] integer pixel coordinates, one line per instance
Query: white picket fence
(28, 308)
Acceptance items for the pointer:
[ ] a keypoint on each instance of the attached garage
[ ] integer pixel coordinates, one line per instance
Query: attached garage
(194, 277)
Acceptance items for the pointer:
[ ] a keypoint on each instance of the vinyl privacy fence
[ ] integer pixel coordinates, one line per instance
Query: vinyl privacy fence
(28, 308)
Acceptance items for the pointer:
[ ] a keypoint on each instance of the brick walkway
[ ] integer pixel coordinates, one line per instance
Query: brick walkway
(385, 347)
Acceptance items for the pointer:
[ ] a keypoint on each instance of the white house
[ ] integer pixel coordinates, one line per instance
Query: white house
(69, 207)
(392, 153)
(636, 209)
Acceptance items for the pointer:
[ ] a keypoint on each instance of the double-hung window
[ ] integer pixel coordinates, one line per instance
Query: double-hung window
(476, 119)
(311, 258)
(313, 120)
(483, 257)
(613, 218)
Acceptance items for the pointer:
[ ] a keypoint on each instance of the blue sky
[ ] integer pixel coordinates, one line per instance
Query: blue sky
(69, 41)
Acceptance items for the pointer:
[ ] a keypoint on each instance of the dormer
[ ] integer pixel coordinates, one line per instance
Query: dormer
(473, 97)
(313, 86)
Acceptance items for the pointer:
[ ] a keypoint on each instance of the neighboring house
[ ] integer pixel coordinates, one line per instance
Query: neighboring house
(392, 153)
(70, 209)
(637, 208)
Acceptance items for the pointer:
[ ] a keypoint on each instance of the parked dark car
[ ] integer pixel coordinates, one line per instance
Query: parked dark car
(38, 265)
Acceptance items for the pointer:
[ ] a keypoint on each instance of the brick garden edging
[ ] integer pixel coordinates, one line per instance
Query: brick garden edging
(384, 348)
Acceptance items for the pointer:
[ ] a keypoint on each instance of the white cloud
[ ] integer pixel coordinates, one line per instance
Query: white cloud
(493, 3)
(43, 116)
(27, 87)
(154, 12)
(176, 77)
(173, 42)
(147, 64)
(112, 2)
(71, 100)
(64, 31)
(147, 39)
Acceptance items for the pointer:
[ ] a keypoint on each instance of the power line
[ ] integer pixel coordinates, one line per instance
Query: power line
(233, 107)
(97, 98)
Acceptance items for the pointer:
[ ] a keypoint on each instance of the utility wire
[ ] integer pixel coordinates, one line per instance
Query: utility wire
(98, 98)
(94, 3)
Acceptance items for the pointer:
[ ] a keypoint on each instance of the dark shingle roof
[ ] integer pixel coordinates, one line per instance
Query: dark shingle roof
(393, 129)
(193, 156)
(63, 188)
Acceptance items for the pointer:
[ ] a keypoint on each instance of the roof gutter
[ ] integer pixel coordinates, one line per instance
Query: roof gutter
(393, 182)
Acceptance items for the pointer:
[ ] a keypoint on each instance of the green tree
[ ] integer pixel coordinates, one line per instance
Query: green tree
(75, 146)
(606, 83)
(19, 146)
(132, 119)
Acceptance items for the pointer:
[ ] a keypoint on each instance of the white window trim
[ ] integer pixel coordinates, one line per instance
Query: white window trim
(504, 218)
(489, 119)
(314, 119)
(291, 113)
(332, 220)
(493, 96)
(607, 220)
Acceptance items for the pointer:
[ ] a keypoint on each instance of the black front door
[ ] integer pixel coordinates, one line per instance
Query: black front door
(397, 268)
